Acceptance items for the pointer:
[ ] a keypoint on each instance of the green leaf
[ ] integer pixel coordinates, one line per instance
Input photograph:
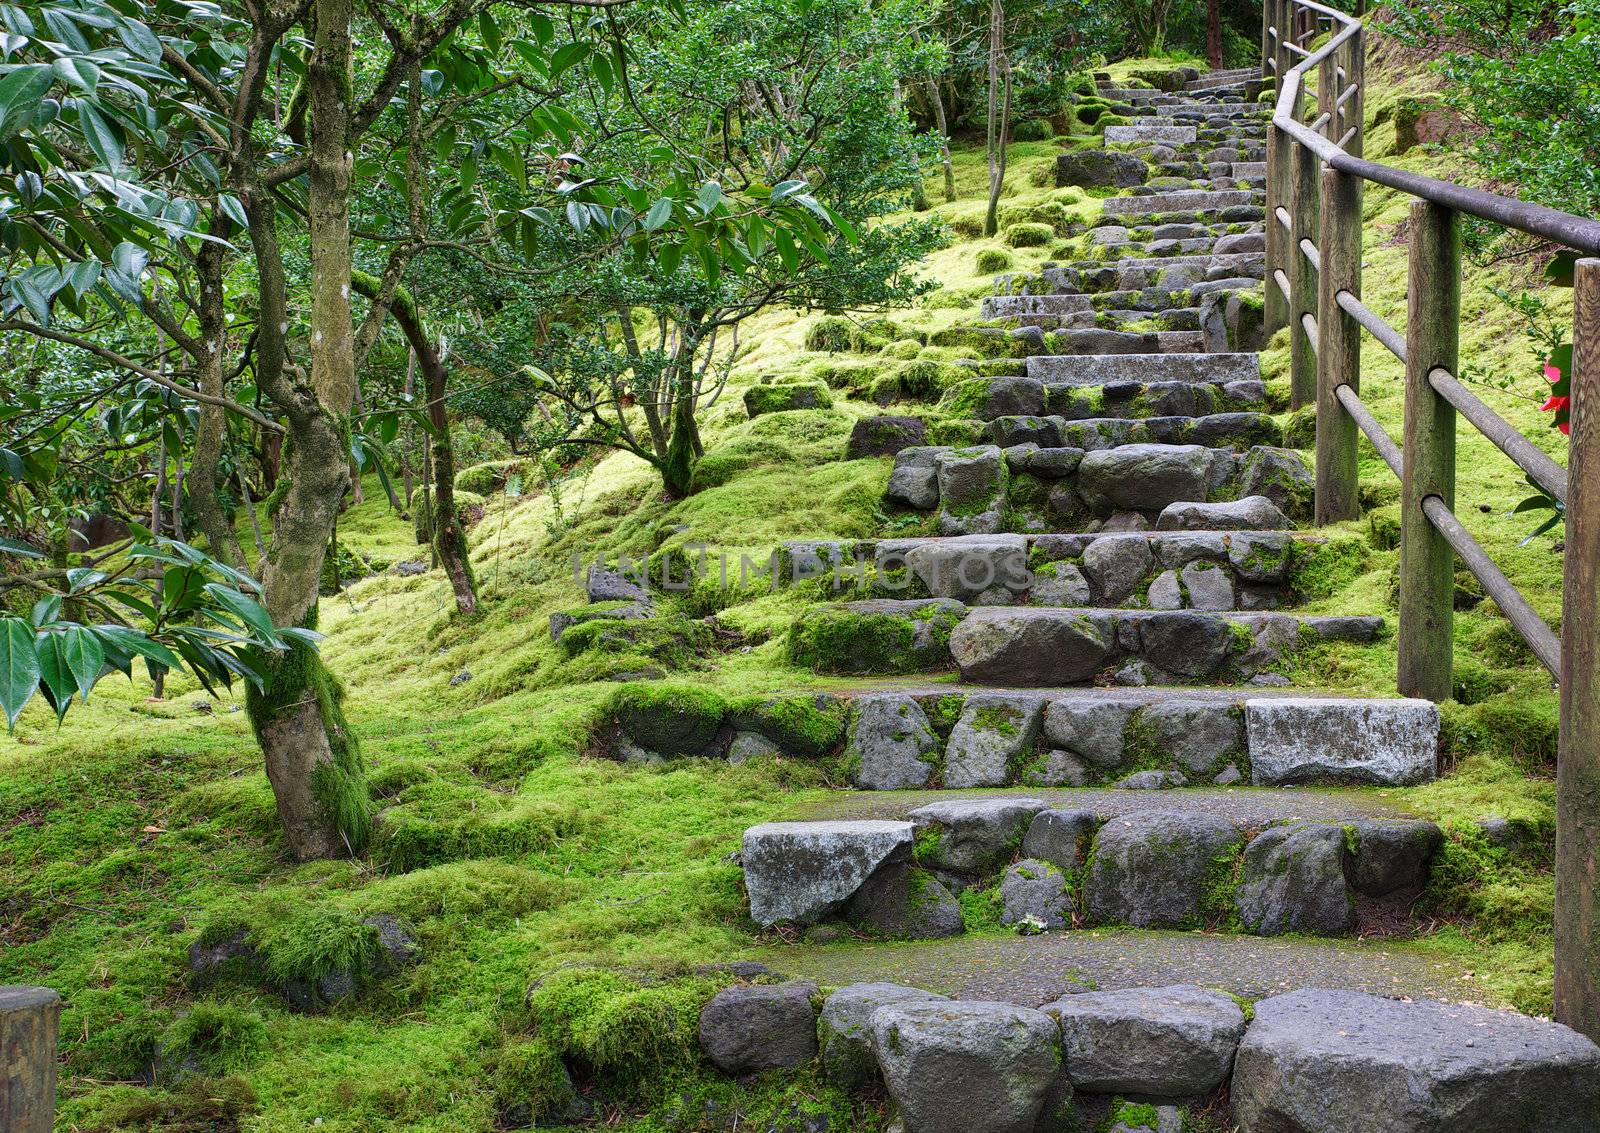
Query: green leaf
(19, 668)
(17, 547)
(248, 611)
(78, 72)
(659, 214)
(103, 137)
(21, 91)
(84, 656)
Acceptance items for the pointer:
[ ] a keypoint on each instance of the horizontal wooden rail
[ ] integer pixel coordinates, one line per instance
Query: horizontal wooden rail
(1523, 453)
(1309, 322)
(1310, 252)
(1375, 432)
(1374, 325)
(1528, 624)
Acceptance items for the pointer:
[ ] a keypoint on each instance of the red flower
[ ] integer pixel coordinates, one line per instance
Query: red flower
(1555, 404)
(1552, 374)
(1565, 427)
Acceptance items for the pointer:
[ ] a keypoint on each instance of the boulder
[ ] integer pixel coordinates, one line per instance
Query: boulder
(1294, 881)
(972, 836)
(605, 585)
(1151, 781)
(1201, 735)
(1100, 169)
(1164, 592)
(902, 902)
(1022, 646)
(914, 482)
(809, 725)
(967, 1067)
(1093, 729)
(1144, 477)
(1185, 643)
(981, 569)
(1116, 565)
(1391, 855)
(1036, 894)
(759, 400)
(1061, 585)
(1166, 1042)
(1155, 869)
(1318, 1061)
(1060, 837)
(750, 1027)
(972, 490)
(878, 635)
(801, 871)
(1281, 476)
(1056, 768)
(751, 745)
(890, 745)
(884, 436)
(845, 1029)
(994, 735)
(1261, 556)
(1305, 740)
(1209, 587)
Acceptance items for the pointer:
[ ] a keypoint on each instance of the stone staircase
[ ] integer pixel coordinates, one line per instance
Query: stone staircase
(1081, 767)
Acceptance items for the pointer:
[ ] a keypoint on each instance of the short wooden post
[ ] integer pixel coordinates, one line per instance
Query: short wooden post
(1328, 94)
(1355, 112)
(29, 1019)
(1338, 348)
(1305, 211)
(1286, 21)
(1427, 565)
(1280, 172)
(1577, 917)
(1266, 37)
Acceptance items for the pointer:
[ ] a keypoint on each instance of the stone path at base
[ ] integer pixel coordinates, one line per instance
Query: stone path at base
(1250, 807)
(1031, 970)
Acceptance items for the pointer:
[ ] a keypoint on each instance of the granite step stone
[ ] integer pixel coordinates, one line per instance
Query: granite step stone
(1172, 135)
(1107, 368)
(1174, 202)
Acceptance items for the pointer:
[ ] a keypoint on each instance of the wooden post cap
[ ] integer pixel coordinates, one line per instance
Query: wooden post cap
(29, 1017)
(21, 997)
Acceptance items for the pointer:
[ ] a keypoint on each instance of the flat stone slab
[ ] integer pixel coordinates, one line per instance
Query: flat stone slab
(1169, 135)
(802, 871)
(1168, 1042)
(1305, 739)
(1194, 200)
(1324, 1061)
(1033, 970)
(1106, 369)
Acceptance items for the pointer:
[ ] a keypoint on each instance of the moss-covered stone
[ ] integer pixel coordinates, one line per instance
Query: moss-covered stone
(781, 398)
(991, 260)
(669, 718)
(1028, 235)
(882, 636)
(829, 334)
(806, 725)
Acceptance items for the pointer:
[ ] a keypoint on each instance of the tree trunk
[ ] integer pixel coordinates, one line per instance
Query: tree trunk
(205, 467)
(944, 139)
(995, 143)
(313, 760)
(1214, 34)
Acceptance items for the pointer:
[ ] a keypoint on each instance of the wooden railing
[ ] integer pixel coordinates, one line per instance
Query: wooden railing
(1315, 178)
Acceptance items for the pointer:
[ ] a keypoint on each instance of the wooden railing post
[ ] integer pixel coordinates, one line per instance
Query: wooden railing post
(1280, 171)
(1356, 109)
(1338, 348)
(1304, 210)
(1577, 916)
(1427, 565)
(29, 1019)
(1266, 37)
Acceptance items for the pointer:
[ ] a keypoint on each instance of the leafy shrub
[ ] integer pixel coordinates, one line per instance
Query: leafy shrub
(1033, 130)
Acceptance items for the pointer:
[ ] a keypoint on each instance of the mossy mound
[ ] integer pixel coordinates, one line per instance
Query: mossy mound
(829, 335)
(874, 637)
(669, 718)
(1028, 235)
(810, 726)
(759, 400)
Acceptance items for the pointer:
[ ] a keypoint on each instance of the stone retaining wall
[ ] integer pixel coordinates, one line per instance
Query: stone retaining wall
(1310, 1061)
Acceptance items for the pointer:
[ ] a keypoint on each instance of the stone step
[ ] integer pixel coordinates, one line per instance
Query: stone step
(1057, 863)
(1040, 647)
(1217, 430)
(1106, 369)
(1170, 135)
(1098, 341)
(1191, 201)
(1178, 566)
(1090, 277)
(1218, 79)
(1008, 306)
(987, 398)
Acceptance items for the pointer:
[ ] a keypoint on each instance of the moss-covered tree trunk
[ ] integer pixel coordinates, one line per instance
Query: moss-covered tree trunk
(312, 759)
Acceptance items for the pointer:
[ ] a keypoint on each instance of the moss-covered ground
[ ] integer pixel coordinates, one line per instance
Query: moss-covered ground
(521, 862)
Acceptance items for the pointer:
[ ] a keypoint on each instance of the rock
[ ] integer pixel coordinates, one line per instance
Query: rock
(802, 871)
(1164, 592)
(234, 957)
(967, 1067)
(809, 725)
(1056, 768)
(1093, 729)
(750, 1027)
(1154, 869)
(902, 902)
(604, 585)
(884, 436)
(878, 635)
(1188, 644)
(1512, 834)
(1036, 894)
(1166, 1042)
(1316, 1061)
(845, 1030)
(1209, 587)
(1151, 781)
(1199, 734)
(1023, 646)
(1146, 1118)
(1116, 565)
(751, 745)
(1294, 881)
(985, 569)
(1392, 855)
(1061, 585)
(890, 745)
(1100, 169)
(1240, 242)
(1303, 740)
(972, 836)
(993, 736)
(914, 482)
(1144, 477)
(1060, 837)
(1260, 556)
(972, 490)
(1281, 476)
(1126, 521)
(1228, 776)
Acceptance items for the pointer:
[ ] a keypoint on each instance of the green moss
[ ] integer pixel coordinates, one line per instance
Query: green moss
(991, 260)
(1033, 130)
(1300, 430)
(810, 726)
(1028, 235)
(669, 717)
(864, 642)
(724, 463)
(830, 334)
(212, 1038)
(489, 477)
(436, 823)
(759, 400)
(675, 641)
